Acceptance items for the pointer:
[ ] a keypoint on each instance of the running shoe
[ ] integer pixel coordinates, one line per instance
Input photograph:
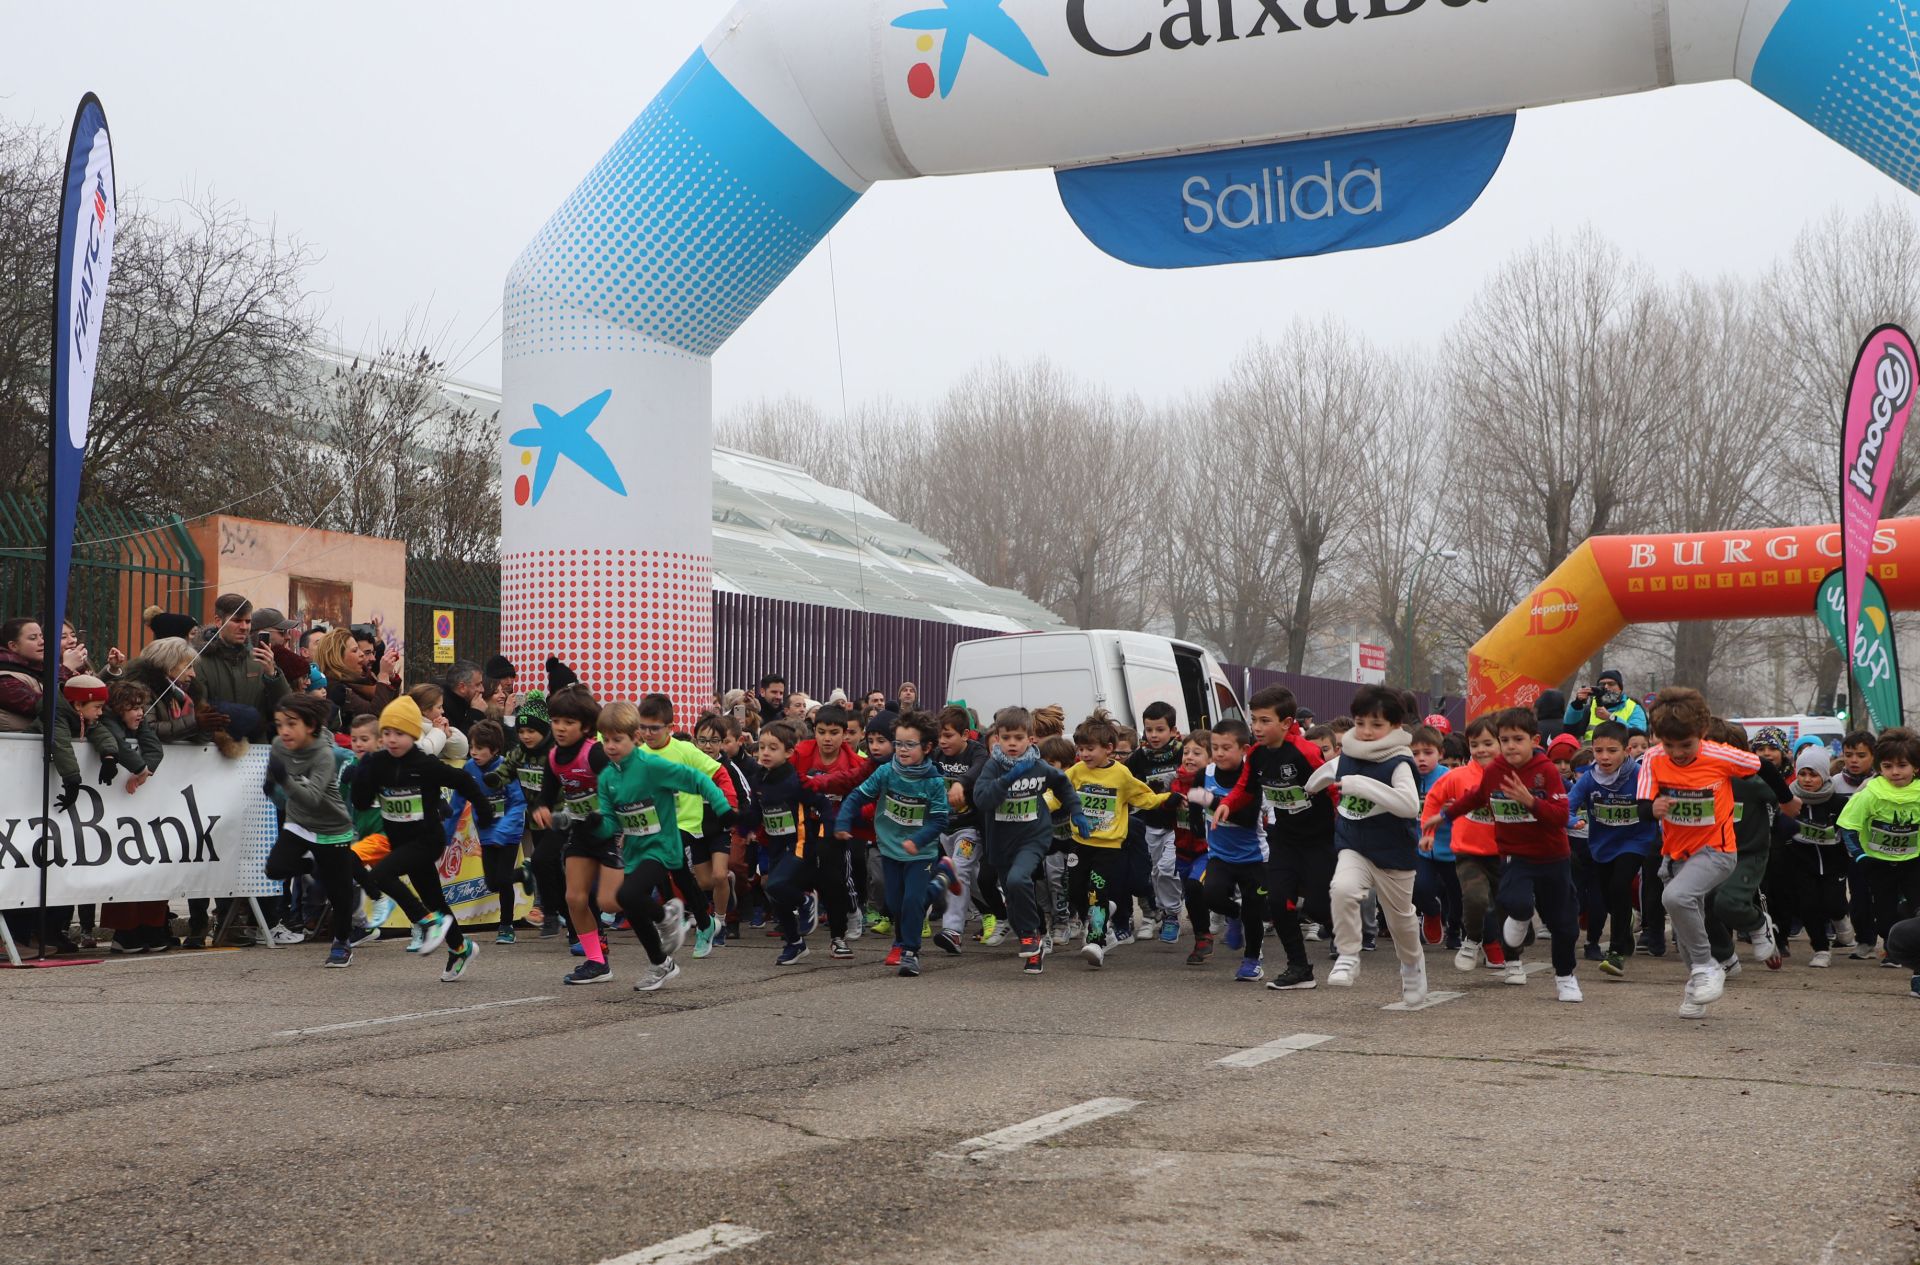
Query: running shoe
(1843, 934)
(1028, 946)
(1884, 960)
(1913, 986)
(287, 935)
(759, 918)
(728, 931)
(856, 926)
(944, 875)
(993, 931)
(1495, 955)
(1731, 967)
(1369, 942)
(1250, 971)
(1122, 934)
(881, 926)
(1468, 957)
(1692, 1010)
(1613, 964)
(1094, 952)
(1432, 929)
(1821, 958)
(791, 953)
(673, 926)
(458, 960)
(1202, 950)
(1169, 931)
(1594, 952)
(704, 938)
(1236, 935)
(576, 948)
(504, 936)
(1063, 932)
(1515, 972)
(1344, 971)
(1765, 947)
(341, 954)
(947, 942)
(909, 963)
(1035, 963)
(809, 914)
(381, 911)
(549, 928)
(588, 972)
(656, 976)
(1413, 983)
(608, 921)
(1514, 931)
(1864, 952)
(433, 930)
(1297, 976)
(893, 956)
(1707, 984)
(1566, 988)
(840, 950)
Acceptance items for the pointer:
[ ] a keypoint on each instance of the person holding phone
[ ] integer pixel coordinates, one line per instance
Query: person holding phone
(1606, 699)
(238, 671)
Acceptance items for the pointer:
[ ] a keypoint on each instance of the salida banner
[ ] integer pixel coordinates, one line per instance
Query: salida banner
(199, 827)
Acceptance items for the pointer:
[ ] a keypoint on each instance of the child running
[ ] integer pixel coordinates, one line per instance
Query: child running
(500, 842)
(1882, 823)
(639, 808)
(1108, 792)
(1476, 856)
(909, 795)
(1011, 794)
(1621, 834)
(1687, 783)
(569, 796)
(1236, 875)
(407, 782)
(1529, 803)
(1816, 858)
(316, 829)
(1374, 832)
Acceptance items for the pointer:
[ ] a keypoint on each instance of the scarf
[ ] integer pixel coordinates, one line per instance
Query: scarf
(1395, 743)
(1610, 780)
(1814, 759)
(915, 772)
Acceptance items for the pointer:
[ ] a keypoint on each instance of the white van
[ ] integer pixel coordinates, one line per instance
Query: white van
(1827, 729)
(1120, 671)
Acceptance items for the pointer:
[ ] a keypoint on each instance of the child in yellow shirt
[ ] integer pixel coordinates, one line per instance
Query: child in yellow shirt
(1096, 870)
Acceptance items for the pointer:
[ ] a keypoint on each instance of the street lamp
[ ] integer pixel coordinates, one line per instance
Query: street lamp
(1413, 586)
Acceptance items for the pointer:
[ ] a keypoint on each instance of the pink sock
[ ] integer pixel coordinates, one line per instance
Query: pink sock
(596, 950)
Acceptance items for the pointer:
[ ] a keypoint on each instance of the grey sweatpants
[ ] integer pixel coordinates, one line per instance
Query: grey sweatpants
(1688, 895)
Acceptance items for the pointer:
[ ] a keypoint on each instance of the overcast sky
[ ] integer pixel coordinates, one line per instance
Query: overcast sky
(417, 146)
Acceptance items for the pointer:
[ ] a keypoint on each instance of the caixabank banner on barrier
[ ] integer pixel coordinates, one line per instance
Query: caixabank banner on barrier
(200, 826)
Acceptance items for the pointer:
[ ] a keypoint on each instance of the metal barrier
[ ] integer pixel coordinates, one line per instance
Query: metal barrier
(123, 562)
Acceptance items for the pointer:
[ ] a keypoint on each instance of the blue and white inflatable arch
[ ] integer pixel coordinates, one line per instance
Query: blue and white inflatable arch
(1185, 132)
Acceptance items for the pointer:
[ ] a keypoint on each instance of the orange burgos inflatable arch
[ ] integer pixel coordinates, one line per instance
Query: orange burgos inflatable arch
(1612, 581)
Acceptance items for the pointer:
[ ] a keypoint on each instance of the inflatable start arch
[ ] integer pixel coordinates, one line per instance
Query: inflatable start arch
(1612, 581)
(1185, 132)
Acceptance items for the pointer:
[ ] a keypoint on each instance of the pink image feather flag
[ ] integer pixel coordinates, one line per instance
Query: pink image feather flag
(1879, 404)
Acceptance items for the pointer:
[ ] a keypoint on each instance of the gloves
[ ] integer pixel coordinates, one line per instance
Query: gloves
(109, 770)
(69, 792)
(483, 813)
(1200, 797)
(593, 821)
(1082, 826)
(276, 769)
(727, 820)
(211, 719)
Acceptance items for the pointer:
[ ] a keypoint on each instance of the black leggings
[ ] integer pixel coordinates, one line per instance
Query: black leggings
(501, 865)
(1248, 881)
(1094, 877)
(1616, 880)
(550, 874)
(1299, 881)
(333, 864)
(1819, 887)
(417, 862)
(1545, 887)
(642, 910)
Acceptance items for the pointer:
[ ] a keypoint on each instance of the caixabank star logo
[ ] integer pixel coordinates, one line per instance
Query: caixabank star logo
(555, 435)
(960, 23)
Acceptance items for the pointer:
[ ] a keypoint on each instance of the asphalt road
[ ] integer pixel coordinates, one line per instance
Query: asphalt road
(250, 1106)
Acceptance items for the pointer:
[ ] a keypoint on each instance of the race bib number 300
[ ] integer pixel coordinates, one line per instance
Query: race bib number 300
(403, 807)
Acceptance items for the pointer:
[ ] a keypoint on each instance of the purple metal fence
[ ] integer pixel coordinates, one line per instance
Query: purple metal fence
(817, 648)
(1326, 696)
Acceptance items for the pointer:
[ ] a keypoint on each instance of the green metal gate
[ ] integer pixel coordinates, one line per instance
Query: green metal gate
(123, 562)
(471, 590)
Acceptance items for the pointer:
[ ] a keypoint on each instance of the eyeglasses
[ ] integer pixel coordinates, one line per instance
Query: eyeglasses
(651, 729)
(907, 746)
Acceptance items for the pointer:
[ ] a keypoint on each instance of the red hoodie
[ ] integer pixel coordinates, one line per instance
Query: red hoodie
(1539, 834)
(834, 781)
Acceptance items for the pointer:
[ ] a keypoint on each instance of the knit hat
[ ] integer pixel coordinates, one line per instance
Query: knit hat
(316, 679)
(532, 713)
(457, 749)
(168, 623)
(1563, 747)
(498, 669)
(403, 714)
(1772, 736)
(559, 674)
(1439, 724)
(1611, 674)
(882, 723)
(1817, 758)
(84, 689)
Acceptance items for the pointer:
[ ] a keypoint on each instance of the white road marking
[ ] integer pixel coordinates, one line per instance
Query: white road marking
(1536, 966)
(1826, 1253)
(418, 1014)
(1273, 1050)
(1015, 1136)
(1435, 997)
(698, 1245)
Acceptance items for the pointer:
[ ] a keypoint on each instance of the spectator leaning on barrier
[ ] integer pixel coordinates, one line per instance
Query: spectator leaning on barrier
(179, 712)
(238, 672)
(22, 671)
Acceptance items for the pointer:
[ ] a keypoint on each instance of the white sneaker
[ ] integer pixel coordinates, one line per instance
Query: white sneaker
(1764, 948)
(1514, 933)
(287, 935)
(654, 977)
(1217, 925)
(1413, 983)
(673, 927)
(1310, 931)
(1516, 972)
(1843, 934)
(1094, 952)
(1062, 932)
(1731, 967)
(856, 925)
(1821, 958)
(1566, 988)
(1469, 956)
(1707, 984)
(1345, 968)
(1691, 1010)
(999, 936)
